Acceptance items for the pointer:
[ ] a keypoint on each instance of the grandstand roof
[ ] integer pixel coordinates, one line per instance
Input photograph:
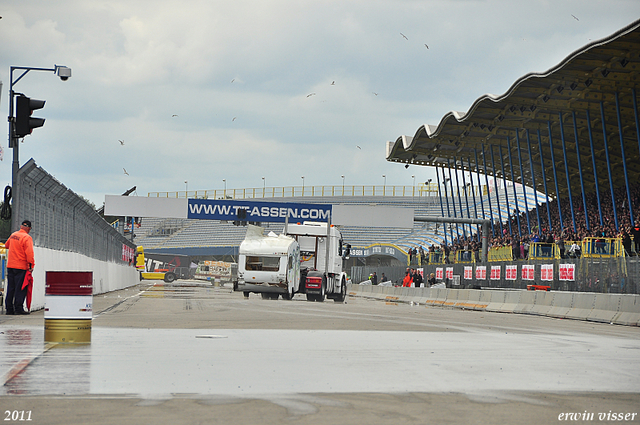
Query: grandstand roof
(571, 98)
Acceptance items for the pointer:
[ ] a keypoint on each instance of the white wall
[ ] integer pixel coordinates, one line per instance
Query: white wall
(106, 276)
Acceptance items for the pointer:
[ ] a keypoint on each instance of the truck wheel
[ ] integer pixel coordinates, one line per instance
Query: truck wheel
(323, 290)
(246, 295)
(311, 297)
(343, 292)
(265, 296)
(169, 277)
(288, 296)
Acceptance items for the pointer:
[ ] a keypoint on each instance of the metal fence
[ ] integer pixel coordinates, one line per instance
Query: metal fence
(604, 275)
(63, 221)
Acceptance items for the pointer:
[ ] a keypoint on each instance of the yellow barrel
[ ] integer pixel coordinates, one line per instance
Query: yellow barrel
(67, 330)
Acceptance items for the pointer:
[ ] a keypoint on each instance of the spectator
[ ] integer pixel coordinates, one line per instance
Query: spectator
(417, 279)
(374, 279)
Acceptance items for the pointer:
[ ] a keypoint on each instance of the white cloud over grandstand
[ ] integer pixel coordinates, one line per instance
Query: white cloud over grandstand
(239, 75)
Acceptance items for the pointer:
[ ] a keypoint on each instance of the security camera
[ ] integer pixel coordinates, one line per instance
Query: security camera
(64, 73)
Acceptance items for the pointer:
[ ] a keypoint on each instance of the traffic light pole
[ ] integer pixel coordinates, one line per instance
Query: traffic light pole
(64, 73)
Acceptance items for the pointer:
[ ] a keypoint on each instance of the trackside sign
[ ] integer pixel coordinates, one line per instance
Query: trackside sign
(274, 212)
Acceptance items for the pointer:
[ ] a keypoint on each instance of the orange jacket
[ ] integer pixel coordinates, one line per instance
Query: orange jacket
(407, 281)
(20, 251)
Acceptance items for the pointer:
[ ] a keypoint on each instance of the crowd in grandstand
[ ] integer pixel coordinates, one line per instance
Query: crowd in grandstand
(519, 232)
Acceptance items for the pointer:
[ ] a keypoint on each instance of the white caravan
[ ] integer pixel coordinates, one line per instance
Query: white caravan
(268, 264)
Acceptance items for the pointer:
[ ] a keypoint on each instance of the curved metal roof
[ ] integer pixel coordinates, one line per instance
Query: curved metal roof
(570, 101)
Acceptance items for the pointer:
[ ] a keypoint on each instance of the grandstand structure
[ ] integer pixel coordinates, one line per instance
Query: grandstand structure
(220, 240)
(570, 132)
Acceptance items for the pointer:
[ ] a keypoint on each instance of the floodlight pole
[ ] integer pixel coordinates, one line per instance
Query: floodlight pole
(64, 73)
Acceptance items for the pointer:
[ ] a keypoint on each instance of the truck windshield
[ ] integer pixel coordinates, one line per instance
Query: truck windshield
(269, 264)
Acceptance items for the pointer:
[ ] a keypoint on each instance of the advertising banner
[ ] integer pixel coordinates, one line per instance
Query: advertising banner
(511, 272)
(547, 272)
(273, 212)
(495, 272)
(439, 273)
(528, 271)
(481, 272)
(568, 272)
(468, 272)
(449, 272)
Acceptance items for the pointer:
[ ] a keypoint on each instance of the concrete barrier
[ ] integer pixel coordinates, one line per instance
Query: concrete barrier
(605, 308)
(496, 300)
(542, 303)
(561, 304)
(582, 305)
(525, 303)
(451, 296)
(629, 313)
(511, 301)
(461, 298)
(620, 309)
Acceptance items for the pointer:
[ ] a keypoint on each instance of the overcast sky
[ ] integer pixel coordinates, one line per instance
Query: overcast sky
(206, 90)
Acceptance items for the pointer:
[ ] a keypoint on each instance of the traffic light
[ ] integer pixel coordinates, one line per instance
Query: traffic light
(24, 123)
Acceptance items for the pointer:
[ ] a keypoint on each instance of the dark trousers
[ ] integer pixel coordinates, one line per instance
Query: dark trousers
(15, 295)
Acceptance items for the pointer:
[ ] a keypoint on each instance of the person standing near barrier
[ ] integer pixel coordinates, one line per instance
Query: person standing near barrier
(417, 279)
(408, 279)
(20, 258)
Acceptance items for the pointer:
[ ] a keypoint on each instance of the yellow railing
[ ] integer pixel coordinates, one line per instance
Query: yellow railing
(500, 253)
(602, 248)
(420, 190)
(543, 251)
(463, 257)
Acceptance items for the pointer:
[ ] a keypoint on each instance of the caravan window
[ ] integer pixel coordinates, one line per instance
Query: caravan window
(268, 264)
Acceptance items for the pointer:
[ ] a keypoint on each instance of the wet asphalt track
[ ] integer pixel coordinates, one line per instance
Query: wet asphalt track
(191, 353)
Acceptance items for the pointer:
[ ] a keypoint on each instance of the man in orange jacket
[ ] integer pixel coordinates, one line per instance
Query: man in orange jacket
(20, 259)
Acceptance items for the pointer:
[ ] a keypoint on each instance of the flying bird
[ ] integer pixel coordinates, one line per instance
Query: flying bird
(121, 142)
(405, 37)
(233, 80)
(174, 115)
(125, 171)
(234, 118)
(574, 17)
(358, 147)
(425, 45)
(374, 93)
(333, 83)
(310, 94)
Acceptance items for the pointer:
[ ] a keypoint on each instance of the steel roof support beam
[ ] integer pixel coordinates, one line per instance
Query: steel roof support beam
(506, 194)
(524, 187)
(544, 179)
(595, 170)
(486, 179)
(515, 195)
(473, 191)
(466, 196)
(555, 176)
(624, 162)
(606, 151)
(479, 184)
(441, 206)
(584, 198)
(495, 185)
(566, 170)
(533, 182)
(455, 168)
